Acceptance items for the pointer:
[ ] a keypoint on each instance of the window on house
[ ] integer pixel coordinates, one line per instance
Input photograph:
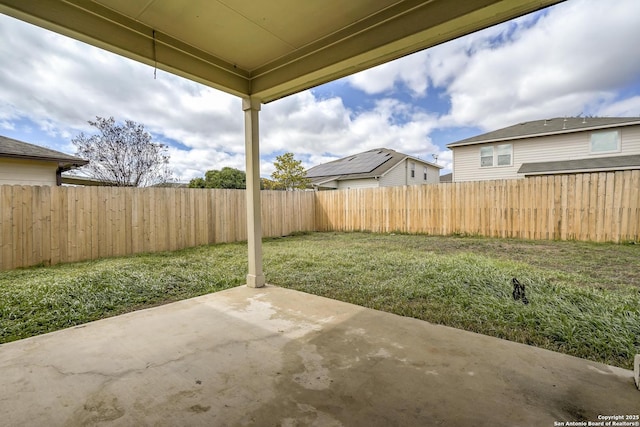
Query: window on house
(486, 156)
(607, 141)
(413, 170)
(425, 174)
(499, 155)
(504, 154)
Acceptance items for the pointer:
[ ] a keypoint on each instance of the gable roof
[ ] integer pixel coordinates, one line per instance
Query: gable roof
(599, 164)
(368, 164)
(555, 126)
(12, 148)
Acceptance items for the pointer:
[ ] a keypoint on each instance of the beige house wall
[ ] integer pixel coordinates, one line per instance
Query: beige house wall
(571, 146)
(358, 183)
(27, 172)
(397, 176)
(401, 174)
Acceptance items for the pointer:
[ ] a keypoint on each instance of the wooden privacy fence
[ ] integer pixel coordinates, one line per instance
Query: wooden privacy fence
(63, 224)
(597, 207)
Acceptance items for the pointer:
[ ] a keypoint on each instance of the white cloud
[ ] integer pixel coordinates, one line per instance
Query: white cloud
(408, 71)
(576, 57)
(313, 128)
(5, 124)
(61, 87)
(59, 84)
(627, 107)
(303, 124)
(572, 61)
(572, 58)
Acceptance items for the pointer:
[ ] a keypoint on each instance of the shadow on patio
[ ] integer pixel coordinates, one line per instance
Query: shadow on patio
(274, 356)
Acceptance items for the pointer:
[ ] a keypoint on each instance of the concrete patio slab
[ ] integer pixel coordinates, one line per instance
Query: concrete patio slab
(277, 357)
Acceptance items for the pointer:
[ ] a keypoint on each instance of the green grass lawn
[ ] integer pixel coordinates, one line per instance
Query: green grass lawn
(584, 299)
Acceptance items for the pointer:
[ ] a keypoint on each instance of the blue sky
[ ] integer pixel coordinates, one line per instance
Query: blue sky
(578, 57)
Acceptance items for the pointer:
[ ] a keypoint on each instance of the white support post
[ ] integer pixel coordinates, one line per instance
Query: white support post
(251, 108)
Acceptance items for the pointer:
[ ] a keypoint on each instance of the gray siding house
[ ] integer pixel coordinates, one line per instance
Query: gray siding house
(380, 167)
(550, 146)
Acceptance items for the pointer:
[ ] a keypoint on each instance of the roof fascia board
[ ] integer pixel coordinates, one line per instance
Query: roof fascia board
(99, 26)
(589, 170)
(61, 161)
(352, 177)
(536, 135)
(435, 165)
(77, 180)
(415, 24)
(333, 178)
(401, 161)
(326, 184)
(414, 159)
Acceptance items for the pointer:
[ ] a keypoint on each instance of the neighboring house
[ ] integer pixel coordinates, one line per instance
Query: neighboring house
(447, 177)
(551, 146)
(27, 164)
(381, 167)
(83, 181)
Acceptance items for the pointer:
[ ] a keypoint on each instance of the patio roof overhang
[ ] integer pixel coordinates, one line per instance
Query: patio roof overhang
(265, 50)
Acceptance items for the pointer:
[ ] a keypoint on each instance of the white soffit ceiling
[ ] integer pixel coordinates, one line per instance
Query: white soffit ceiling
(266, 48)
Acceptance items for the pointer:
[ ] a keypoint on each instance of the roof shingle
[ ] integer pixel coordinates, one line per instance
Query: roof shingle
(582, 165)
(12, 148)
(553, 126)
(369, 164)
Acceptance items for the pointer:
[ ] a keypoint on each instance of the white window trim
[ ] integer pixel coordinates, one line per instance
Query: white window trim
(492, 156)
(510, 156)
(494, 150)
(617, 150)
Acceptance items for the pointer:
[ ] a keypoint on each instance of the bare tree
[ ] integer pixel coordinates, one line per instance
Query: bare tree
(123, 155)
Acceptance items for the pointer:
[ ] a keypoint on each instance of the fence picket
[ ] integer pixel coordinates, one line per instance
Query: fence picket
(63, 224)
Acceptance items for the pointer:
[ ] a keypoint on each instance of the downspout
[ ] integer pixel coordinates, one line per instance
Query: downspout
(406, 171)
(453, 165)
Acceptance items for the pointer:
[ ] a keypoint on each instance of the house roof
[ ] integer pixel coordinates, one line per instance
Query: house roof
(266, 49)
(599, 164)
(369, 164)
(84, 181)
(12, 148)
(555, 126)
(447, 177)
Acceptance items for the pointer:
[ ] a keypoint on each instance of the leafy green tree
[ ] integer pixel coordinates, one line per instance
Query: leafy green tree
(198, 183)
(268, 184)
(225, 178)
(123, 155)
(289, 173)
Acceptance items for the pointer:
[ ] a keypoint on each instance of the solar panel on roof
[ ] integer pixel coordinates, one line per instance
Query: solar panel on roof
(360, 163)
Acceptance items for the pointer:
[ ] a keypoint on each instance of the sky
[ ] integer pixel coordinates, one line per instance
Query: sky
(580, 57)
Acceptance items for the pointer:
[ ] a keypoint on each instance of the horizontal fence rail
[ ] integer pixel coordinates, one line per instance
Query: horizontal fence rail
(592, 207)
(50, 225)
